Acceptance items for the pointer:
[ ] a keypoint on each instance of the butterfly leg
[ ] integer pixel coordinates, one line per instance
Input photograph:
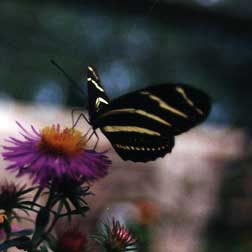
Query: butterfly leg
(90, 136)
(97, 138)
(85, 135)
(81, 115)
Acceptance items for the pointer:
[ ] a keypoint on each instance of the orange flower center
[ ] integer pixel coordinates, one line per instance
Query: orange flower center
(61, 142)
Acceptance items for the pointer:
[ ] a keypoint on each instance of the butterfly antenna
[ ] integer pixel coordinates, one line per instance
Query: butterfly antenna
(75, 84)
(68, 77)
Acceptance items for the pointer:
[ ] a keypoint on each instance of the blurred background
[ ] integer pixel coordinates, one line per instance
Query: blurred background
(199, 197)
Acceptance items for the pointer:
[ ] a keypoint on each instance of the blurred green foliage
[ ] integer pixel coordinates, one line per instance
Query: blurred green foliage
(144, 235)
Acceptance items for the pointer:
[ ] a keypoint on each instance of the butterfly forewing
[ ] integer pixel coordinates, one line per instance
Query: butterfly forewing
(164, 107)
(97, 98)
(182, 105)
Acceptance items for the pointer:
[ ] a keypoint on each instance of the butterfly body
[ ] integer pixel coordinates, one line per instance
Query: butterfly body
(141, 125)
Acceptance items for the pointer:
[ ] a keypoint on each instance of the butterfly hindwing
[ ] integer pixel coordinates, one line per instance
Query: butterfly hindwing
(97, 98)
(138, 147)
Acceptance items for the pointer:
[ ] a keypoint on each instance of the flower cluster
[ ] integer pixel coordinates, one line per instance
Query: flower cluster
(61, 168)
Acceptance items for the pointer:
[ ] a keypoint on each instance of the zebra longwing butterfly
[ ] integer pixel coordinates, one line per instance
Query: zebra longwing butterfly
(142, 125)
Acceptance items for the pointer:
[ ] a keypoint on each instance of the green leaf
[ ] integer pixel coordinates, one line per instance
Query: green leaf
(36, 196)
(26, 191)
(24, 232)
(43, 249)
(42, 221)
(6, 226)
(52, 242)
(20, 243)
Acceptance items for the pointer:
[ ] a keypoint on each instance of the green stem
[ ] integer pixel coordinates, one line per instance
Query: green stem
(48, 231)
(56, 217)
(49, 205)
(8, 215)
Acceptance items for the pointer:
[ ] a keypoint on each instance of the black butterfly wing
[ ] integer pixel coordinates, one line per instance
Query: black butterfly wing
(97, 97)
(141, 125)
(138, 147)
(181, 105)
(135, 134)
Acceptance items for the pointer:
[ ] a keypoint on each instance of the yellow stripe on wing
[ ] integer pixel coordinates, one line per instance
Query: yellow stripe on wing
(139, 112)
(118, 128)
(96, 84)
(93, 72)
(188, 100)
(164, 105)
(100, 100)
(130, 147)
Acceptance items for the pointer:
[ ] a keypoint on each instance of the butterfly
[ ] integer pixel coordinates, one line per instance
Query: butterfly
(142, 125)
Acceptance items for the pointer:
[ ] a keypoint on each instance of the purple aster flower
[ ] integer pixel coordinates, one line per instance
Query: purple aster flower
(54, 153)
